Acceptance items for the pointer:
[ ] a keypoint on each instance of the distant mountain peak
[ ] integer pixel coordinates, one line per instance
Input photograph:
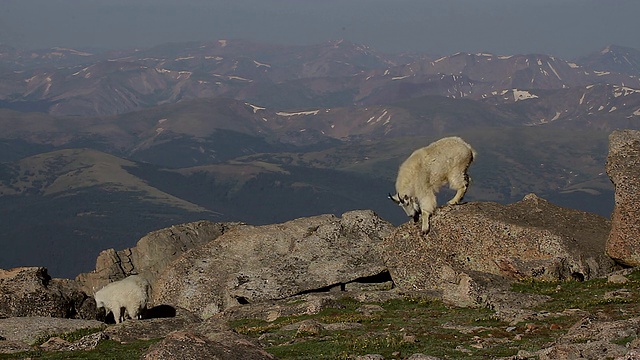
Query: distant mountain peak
(615, 58)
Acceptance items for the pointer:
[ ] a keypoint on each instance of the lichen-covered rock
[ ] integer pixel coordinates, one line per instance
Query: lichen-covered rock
(30, 291)
(152, 253)
(529, 239)
(623, 167)
(190, 345)
(257, 263)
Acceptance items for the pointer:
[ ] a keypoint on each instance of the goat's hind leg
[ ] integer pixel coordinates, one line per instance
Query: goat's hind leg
(459, 183)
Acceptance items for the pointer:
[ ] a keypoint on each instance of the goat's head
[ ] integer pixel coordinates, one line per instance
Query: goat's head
(408, 204)
(101, 307)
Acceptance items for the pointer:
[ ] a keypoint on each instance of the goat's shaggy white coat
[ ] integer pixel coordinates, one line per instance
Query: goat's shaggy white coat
(426, 170)
(126, 297)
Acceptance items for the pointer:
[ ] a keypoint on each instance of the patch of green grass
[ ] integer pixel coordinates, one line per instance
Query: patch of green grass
(594, 296)
(406, 326)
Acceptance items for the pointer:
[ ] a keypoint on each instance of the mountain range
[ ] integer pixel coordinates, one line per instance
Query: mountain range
(99, 148)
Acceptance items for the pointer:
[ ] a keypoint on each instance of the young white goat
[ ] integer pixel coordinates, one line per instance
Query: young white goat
(429, 168)
(124, 298)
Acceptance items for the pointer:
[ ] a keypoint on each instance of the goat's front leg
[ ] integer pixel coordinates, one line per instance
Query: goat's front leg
(426, 217)
(427, 207)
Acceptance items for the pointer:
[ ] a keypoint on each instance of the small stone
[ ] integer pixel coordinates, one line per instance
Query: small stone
(272, 315)
(617, 279)
(370, 357)
(409, 339)
(309, 328)
(369, 310)
(55, 344)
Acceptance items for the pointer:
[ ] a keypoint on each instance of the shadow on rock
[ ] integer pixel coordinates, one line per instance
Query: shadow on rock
(160, 311)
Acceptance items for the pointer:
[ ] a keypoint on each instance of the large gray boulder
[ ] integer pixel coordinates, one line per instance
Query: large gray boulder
(30, 291)
(256, 263)
(152, 253)
(623, 167)
(478, 246)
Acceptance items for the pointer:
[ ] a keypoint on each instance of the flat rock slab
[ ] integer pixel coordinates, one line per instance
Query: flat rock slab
(29, 329)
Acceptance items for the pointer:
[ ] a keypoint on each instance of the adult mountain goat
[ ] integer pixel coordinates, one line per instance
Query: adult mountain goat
(126, 297)
(422, 175)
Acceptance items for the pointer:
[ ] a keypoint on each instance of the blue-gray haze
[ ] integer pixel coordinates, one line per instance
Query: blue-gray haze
(566, 28)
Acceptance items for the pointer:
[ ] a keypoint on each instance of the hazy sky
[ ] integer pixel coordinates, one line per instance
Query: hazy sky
(566, 28)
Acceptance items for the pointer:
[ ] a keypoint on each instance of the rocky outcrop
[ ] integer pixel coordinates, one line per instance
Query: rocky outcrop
(258, 263)
(477, 246)
(623, 167)
(151, 254)
(30, 291)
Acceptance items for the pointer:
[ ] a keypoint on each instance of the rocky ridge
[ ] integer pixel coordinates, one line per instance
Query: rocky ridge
(206, 274)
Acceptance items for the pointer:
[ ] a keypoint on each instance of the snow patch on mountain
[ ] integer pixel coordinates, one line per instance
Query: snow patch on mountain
(554, 71)
(239, 78)
(385, 113)
(259, 64)
(304, 113)
(624, 91)
(254, 107)
(519, 95)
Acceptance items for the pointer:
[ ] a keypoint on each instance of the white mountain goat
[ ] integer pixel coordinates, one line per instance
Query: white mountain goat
(422, 175)
(126, 297)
